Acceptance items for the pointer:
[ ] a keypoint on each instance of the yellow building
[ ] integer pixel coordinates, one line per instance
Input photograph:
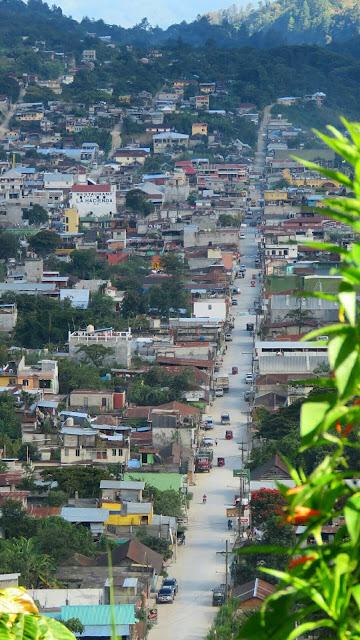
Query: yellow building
(125, 99)
(275, 195)
(71, 220)
(128, 513)
(310, 181)
(30, 116)
(202, 101)
(199, 127)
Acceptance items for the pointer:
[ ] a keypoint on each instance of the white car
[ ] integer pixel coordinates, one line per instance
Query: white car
(249, 378)
(242, 236)
(207, 442)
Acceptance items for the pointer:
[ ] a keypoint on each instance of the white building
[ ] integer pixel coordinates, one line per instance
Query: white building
(169, 140)
(118, 343)
(210, 308)
(289, 357)
(58, 180)
(96, 199)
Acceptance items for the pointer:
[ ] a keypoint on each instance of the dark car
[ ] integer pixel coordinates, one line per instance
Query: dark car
(172, 583)
(247, 396)
(166, 594)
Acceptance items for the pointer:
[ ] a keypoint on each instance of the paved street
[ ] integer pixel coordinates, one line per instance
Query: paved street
(199, 567)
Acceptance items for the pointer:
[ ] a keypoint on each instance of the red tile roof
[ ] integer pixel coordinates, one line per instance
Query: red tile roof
(43, 512)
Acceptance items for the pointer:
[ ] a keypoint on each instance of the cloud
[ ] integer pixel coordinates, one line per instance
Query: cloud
(129, 12)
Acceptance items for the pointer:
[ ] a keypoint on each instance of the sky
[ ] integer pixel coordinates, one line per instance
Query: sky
(129, 12)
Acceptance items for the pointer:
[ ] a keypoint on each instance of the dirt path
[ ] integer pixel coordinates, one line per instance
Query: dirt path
(4, 126)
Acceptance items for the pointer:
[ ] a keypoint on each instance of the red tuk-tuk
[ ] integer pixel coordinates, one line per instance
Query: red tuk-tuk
(234, 371)
(228, 435)
(221, 462)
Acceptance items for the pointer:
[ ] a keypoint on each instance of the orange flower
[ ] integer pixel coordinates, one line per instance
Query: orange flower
(347, 430)
(302, 560)
(338, 427)
(294, 490)
(356, 402)
(301, 515)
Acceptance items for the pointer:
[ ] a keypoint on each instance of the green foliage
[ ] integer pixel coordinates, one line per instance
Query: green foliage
(9, 244)
(166, 503)
(28, 452)
(57, 498)
(10, 424)
(159, 545)
(44, 242)
(74, 625)
(15, 523)
(76, 375)
(228, 220)
(36, 215)
(156, 387)
(60, 539)
(138, 202)
(20, 555)
(91, 134)
(95, 354)
(84, 480)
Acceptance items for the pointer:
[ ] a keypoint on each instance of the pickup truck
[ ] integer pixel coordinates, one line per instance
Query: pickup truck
(219, 595)
(222, 381)
(208, 423)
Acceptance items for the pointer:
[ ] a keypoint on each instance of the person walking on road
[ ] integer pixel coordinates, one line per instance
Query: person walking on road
(215, 442)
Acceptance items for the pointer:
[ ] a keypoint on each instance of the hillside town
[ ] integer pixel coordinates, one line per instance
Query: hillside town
(152, 363)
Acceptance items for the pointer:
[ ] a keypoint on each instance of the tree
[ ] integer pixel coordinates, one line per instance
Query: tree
(57, 498)
(60, 539)
(84, 480)
(171, 263)
(10, 424)
(78, 375)
(22, 556)
(9, 245)
(44, 242)
(299, 314)
(28, 452)
(15, 523)
(159, 545)
(96, 354)
(264, 504)
(75, 625)
(167, 503)
(36, 215)
(137, 201)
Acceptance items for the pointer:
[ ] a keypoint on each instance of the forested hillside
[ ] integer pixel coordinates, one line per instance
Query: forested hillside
(269, 24)
(298, 21)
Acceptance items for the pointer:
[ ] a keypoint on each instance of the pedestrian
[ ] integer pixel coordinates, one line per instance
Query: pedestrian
(183, 539)
(215, 442)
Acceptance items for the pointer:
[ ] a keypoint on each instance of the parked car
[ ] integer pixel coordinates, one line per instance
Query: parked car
(207, 442)
(219, 392)
(166, 594)
(249, 378)
(208, 423)
(234, 302)
(228, 337)
(242, 236)
(247, 396)
(172, 583)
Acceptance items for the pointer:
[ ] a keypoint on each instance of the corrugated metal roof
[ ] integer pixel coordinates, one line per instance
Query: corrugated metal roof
(78, 431)
(120, 484)
(138, 507)
(128, 582)
(100, 614)
(82, 514)
(104, 631)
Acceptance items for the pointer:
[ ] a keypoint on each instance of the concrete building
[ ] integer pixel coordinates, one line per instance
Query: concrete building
(176, 186)
(118, 343)
(210, 308)
(70, 220)
(28, 270)
(88, 445)
(121, 490)
(169, 140)
(289, 357)
(58, 180)
(88, 55)
(95, 199)
(8, 317)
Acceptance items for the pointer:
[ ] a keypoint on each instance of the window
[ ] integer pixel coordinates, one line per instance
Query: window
(120, 452)
(25, 383)
(103, 402)
(77, 453)
(114, 452)
(45, 384)
(66, 451)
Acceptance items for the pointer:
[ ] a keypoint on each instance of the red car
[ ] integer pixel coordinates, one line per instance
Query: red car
(253, 284)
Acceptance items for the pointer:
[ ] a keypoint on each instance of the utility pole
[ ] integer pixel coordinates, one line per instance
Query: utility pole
(226, 571)
(226, 553)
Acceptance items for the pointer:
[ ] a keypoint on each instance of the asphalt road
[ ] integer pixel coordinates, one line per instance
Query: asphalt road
(200, 567)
